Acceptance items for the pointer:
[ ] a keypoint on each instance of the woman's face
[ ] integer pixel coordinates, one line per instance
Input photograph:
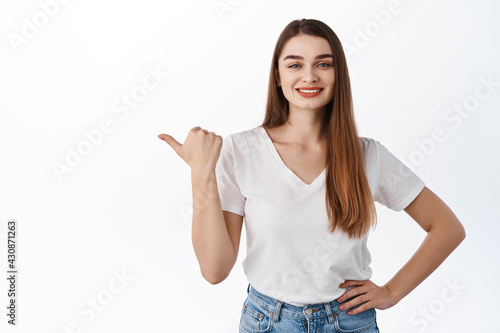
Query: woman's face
(306, 73)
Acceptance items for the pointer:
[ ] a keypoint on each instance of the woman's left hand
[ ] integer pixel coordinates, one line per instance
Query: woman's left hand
(370, 296)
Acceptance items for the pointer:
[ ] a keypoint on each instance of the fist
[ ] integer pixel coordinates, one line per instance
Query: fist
(200, 150)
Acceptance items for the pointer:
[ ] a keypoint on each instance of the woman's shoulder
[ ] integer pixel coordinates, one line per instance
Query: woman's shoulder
(368, 142)
(372, 147)
(244, 136)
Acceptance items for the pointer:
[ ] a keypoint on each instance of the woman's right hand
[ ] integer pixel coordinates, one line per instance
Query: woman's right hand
(200, 150)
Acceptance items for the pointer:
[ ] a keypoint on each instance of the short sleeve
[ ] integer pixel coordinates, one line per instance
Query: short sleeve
(398, 186)
(231, 198)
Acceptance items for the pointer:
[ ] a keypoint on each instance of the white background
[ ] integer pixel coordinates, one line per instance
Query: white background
(125, 207)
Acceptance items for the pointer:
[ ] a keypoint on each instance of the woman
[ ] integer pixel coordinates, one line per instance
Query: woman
(306, 184)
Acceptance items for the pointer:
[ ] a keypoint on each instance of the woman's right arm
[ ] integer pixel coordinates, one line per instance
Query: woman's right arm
(212, 229)
(215, 234)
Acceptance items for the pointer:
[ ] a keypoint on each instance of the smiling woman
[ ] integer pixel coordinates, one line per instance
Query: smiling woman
(304, 183)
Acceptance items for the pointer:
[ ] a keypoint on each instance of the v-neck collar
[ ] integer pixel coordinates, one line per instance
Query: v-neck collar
(284, 168)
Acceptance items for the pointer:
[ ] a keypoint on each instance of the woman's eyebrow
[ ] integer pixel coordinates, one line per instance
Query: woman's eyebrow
(321, 56)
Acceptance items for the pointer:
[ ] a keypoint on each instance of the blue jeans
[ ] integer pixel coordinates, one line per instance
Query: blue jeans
(261, 313)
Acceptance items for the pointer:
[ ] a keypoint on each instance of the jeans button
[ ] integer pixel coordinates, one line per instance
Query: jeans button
(309, 311)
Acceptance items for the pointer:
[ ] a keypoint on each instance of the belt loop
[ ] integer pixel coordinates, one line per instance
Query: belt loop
(277, 309)
(248, 289)
(329, 312)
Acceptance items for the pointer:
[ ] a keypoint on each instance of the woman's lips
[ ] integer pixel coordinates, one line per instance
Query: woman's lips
(309, 92)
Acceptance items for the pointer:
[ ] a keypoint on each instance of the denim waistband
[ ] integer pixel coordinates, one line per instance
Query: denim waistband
(276, 307)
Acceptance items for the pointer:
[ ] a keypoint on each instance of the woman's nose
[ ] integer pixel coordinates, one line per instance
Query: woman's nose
(309, 75)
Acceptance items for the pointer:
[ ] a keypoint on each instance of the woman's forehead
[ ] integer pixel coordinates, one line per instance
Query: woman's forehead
(306, 46)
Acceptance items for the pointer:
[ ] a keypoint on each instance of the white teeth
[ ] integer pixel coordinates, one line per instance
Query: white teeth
(310, 91)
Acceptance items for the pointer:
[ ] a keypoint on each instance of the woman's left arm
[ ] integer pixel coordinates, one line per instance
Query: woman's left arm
(444, 234)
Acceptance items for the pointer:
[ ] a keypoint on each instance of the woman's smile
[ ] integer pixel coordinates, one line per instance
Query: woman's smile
(309, 92)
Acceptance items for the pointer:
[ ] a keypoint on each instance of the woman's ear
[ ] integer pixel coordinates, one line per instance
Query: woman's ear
(277, 75)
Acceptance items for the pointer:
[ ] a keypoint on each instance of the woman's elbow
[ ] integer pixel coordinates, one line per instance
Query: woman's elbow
(462, 233)
(459, 233)
(214, 280)
(214, 277)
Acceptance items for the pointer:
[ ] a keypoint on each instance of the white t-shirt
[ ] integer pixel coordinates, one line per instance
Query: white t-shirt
(290, 254)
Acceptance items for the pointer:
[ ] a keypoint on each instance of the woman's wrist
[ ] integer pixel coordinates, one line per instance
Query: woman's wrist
(395, 295)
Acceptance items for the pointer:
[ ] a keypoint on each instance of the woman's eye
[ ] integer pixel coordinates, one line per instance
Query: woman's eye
(323, 64)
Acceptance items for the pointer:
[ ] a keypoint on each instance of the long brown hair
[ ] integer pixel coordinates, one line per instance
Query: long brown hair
(348, 199)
